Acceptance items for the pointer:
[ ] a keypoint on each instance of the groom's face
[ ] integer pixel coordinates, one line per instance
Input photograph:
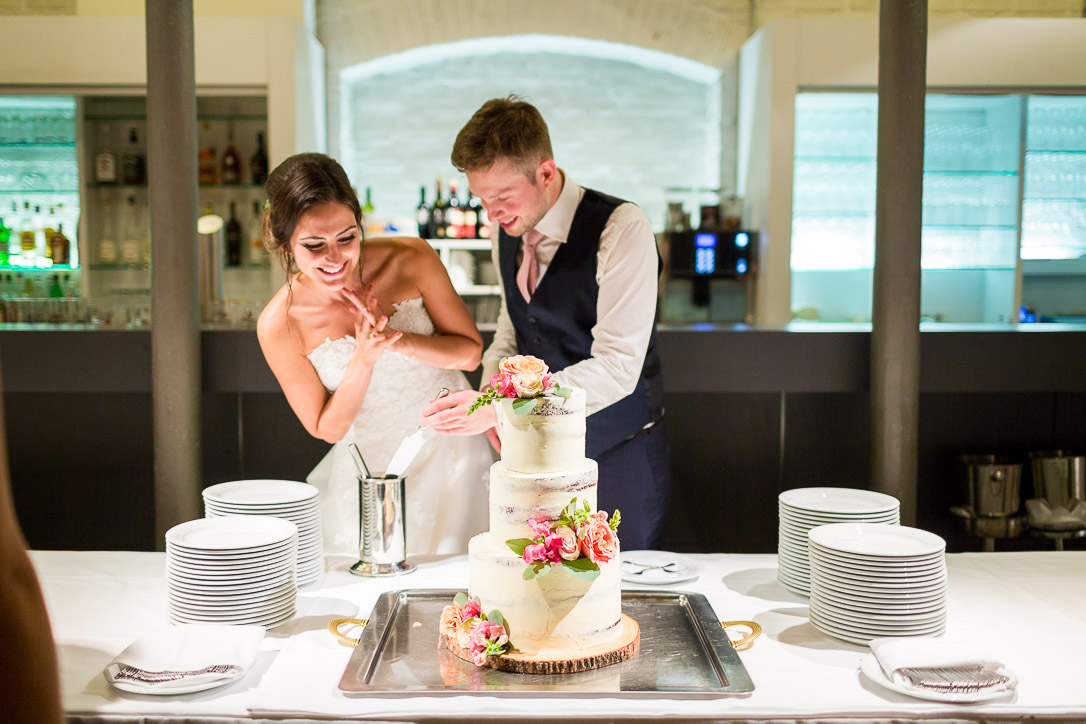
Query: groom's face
(512, 199)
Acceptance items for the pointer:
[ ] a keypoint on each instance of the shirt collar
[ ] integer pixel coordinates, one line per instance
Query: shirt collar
(556, 223)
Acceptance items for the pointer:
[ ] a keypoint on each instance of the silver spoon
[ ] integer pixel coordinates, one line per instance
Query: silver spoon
(358, 461)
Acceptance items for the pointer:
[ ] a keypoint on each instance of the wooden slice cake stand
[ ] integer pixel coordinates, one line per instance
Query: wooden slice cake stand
(621, 648)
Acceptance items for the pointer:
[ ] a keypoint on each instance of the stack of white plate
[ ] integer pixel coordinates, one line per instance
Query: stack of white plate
(870, 580)
(805, 508)
(232, 570)
(296, 502)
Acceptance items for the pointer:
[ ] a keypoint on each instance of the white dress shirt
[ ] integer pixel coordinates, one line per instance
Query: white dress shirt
(626, 271)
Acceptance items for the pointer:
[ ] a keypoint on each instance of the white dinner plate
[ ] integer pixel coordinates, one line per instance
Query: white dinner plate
(306, 519)
(871, 559)
(269, 608)
(232, 533)
(879, 568)
(230, 555)
(902, 580)
(851, 617)
(838, 501)
(821, 580)
(869, 665)
(856, 636)
(866, 628)
(260, 492)
(811, 520)
(877, 540)
(640, 567)
(242, 598)
(881, 607)
(252, 573)
(199, 586)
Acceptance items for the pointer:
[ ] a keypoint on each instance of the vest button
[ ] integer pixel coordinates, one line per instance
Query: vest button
(538, 341)
(531, 320)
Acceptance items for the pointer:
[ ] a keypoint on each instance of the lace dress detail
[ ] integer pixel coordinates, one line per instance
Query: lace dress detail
(446, 492)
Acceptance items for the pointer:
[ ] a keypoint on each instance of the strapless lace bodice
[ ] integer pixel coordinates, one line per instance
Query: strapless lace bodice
(446, 501)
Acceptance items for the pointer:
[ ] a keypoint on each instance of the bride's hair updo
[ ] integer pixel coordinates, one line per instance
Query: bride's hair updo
(296, 185)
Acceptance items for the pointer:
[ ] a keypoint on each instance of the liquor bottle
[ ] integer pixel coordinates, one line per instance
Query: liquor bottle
(233, 239)
(26, 234)
(454, 214)
(258, 164)
(130, 241)
(482, 226)
(367, 207)
(60, 248)
(231, 161)
(258, 253)
(133, 164)
(107, 243)
(49, 228)
(5, 239)
(437, 214)
(208, 171)
(41, 241)
(55, 290)
(105, 161)
(422, 214)
(471, 217)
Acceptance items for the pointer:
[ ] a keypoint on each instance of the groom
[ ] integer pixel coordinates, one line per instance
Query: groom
(579, 276)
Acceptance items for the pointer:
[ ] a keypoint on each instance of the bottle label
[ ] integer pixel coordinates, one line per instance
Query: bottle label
(107, 251)
(26, 240)
(130, 251)
(105, 168)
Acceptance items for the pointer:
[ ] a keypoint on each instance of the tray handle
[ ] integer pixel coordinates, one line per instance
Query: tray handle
(747, 641)
(333, 628)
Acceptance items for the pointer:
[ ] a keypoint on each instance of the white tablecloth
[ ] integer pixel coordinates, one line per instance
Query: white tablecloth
(1028, 608)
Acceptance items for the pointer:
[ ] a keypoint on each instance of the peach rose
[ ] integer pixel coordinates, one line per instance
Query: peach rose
(598, 541)
(523, 363)
(464, 633)
(451, 618)
(568, 548)
(527, 384)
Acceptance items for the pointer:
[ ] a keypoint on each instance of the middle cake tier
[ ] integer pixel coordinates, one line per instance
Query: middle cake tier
(516, 497)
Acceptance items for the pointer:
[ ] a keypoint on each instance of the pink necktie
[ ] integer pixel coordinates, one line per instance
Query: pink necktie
(528, 273)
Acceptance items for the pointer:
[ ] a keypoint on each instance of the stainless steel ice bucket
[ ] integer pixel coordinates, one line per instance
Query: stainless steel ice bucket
(382, 534)
(992, 483)
(1058, 477)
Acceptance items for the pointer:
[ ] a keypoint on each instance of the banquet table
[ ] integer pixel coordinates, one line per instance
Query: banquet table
(1027, 608)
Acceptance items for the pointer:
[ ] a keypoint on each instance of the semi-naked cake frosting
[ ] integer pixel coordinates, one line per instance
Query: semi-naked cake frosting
(542, 468)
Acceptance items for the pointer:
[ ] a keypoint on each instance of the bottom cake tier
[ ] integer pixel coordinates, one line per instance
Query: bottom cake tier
(557, 614)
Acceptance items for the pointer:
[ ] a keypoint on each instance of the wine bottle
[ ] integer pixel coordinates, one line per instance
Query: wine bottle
(233, 238)
(133, 165)
(26, 234)
(107, 243)
(60, 247)
(231, 161)
(258, 254)
(258, 164)
(5, 238)
(105, 161)
(471, 217)
(208, 171)
(437, 217)
(130, 241)
(422, 214)
(454, 214)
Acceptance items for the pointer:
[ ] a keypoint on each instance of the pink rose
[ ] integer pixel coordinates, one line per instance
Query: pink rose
(534, 552)
(527, 384)
(485, 634)
(540, 526)
(568, 547)
(598, 541)
(523, 363)
(503, 385)
(472, 609)
(548, 381)
(552, 545)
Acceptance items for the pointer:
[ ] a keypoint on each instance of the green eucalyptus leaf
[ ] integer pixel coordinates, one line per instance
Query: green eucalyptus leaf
(562, 391)
(582, 568)
(517, 545)
(524, 405)
(460, 599)
(495, 616)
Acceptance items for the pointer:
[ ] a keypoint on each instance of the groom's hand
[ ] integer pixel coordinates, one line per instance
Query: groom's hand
(449, 415)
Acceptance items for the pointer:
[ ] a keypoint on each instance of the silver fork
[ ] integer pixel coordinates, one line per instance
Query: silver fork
(954, 679)
(157, 677)
(672, 567)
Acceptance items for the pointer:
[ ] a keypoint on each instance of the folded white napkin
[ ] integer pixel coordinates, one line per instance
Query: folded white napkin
(185, 658)
(899, 652)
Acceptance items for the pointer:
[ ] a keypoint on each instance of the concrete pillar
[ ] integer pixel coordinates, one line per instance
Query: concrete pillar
(895, 316)
(175, 309)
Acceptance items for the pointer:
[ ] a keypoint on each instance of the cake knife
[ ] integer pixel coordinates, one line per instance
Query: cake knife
(410, 446)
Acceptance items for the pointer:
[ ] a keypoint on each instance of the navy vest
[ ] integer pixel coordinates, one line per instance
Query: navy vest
(556, 325)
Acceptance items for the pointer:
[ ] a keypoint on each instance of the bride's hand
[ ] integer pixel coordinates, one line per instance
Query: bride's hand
(370, 327)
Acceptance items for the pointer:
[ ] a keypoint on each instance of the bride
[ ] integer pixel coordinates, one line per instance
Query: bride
(363, 334)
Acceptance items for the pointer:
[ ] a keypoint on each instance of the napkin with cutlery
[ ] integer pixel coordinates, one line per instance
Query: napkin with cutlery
(941, 664)
(184, 658)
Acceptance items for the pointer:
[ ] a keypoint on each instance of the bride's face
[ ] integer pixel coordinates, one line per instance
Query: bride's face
(327, 245)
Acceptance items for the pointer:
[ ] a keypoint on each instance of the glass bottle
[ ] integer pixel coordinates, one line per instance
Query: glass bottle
(471, 217)
(130, 241)
(422, 214)
(258, 164)
(454, 214)
(437, 215)
(59, 247)
(26, 234)
(231, 161)
(207, 166)
(5, 239)
(105, 161)
(258, 254)
(133, 163)
(107, 243)
(233, 238)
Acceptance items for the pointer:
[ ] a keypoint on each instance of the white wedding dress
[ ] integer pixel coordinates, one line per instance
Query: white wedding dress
(446, 484)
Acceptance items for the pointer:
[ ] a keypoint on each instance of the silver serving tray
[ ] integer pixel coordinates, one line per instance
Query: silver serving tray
(684, 653)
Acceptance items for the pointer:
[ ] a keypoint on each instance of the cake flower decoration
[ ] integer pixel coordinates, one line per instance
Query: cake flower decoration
(484, 635)
(579, 540)
(524, 378)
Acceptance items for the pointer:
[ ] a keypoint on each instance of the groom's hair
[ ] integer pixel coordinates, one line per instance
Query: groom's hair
(503, 128)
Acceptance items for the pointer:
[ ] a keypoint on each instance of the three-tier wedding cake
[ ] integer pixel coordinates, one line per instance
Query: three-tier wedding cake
(543, 582)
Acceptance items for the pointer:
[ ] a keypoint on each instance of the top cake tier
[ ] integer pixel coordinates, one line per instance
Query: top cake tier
(550, 438)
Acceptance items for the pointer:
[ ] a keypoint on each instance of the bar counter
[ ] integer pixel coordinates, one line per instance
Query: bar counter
(1026, 608)
(751, 412)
